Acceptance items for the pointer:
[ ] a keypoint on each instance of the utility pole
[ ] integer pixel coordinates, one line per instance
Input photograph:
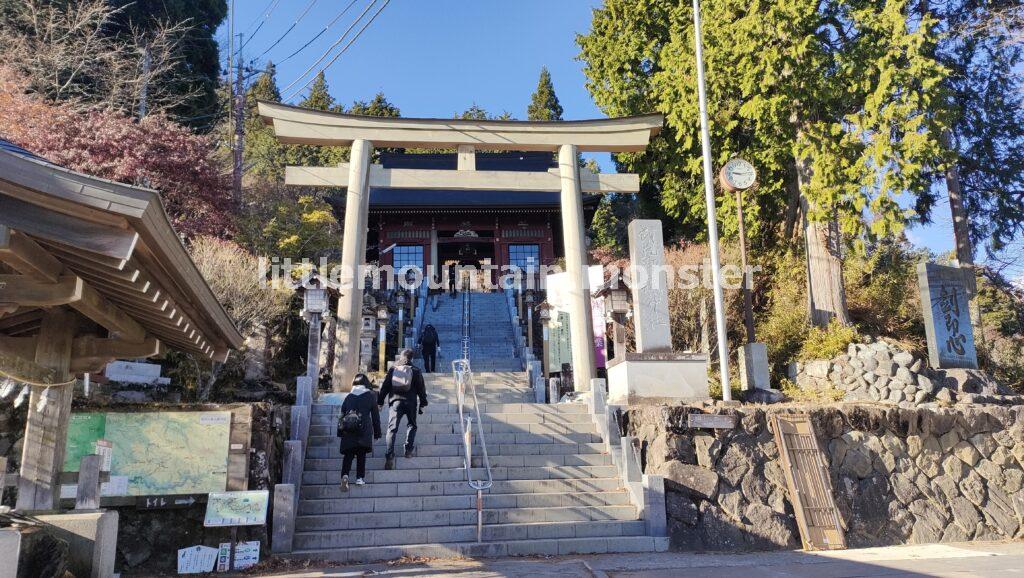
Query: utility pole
(239, 102)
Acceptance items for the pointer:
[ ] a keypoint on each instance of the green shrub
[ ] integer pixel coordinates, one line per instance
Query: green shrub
(828, 342)
(882, 292)
(783, 323)
(794, 393)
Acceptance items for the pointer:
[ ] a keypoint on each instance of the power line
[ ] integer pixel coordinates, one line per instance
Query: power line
(266, 17)
(257, 19)
(290, 28)
(331, 47)
(338, 55)
(319, 34)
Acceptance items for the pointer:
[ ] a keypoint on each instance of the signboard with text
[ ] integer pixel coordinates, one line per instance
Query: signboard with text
(945, 295)
(244, 508)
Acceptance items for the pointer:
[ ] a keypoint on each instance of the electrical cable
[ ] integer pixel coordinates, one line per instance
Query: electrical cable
(319, 34)
(331, 47)
(290, 28)
(347, 46)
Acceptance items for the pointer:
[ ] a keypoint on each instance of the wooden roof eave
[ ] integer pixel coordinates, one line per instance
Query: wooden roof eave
(137, 211)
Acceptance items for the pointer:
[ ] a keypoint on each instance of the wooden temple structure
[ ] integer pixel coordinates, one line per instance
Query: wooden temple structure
(436, 227)
(91, 270)
(533, 160)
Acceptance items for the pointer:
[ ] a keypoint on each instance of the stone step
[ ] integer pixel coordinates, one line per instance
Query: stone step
(485, 408)
(535, 461)
(332, 450)
(466, 533)
(458, 474)
(488, 418)
(554, 547)
(441, 439)
(486, 427)
(310, 507)
(372, 520)
(407, 492)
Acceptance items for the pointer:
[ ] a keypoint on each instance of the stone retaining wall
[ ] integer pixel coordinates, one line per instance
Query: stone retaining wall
(881, 371)
(898, 475)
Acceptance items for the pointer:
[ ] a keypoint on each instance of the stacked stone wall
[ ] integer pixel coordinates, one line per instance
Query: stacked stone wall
(884, 372)
(899, 475)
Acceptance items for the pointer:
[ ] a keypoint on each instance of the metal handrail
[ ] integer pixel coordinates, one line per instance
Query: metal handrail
(464, 380)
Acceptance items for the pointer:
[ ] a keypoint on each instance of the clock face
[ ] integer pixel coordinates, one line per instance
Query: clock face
(739, 174)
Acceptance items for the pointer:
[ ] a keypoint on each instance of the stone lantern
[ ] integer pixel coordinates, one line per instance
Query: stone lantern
(382, 344)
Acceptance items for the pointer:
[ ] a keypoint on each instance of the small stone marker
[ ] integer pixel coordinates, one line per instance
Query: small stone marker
(947, 319)
(649, 286)
(710, 421)
(754, 373)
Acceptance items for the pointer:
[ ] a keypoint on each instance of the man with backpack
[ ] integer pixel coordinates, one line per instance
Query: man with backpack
(358, 427)
(429, 344)
(402, 389)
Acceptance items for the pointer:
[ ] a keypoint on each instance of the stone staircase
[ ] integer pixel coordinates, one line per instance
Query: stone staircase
(555, 489)
(492, 347)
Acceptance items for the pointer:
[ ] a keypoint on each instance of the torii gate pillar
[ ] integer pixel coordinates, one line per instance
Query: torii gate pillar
(353, 257)
(581, 326)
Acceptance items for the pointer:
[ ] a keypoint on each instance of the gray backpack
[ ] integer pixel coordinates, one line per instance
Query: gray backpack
(401, 379)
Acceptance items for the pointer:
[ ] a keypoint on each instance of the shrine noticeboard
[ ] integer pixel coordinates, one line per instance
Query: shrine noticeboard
(945, 295)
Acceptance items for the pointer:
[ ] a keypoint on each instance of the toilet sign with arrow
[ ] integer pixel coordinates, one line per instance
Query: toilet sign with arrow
(166, 502)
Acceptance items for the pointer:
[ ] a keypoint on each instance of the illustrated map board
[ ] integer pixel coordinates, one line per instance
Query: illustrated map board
(157, 453)
(242, 508)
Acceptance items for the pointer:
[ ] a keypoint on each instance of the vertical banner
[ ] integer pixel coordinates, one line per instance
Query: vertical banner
(596, 277)
(557, 286)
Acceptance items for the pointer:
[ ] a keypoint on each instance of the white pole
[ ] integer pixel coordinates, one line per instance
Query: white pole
(709, 197)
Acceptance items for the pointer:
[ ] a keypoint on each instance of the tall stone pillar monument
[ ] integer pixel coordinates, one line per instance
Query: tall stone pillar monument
(654, 373)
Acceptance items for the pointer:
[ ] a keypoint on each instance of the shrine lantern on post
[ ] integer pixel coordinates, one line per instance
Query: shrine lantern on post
(617, 297)
(315, 303)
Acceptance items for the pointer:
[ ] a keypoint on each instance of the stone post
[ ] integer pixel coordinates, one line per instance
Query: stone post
(580, 324)
(353, 255)
(649, 286)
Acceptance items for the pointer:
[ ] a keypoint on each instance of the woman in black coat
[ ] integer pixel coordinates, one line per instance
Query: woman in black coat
(357, 435)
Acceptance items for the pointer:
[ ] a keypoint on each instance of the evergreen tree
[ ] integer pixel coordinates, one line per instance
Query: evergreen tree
(544, 103)
(474, 112)
(379, 105)
(200, 65)
(263, 156)
(985, 95)
(319, 98)
(834, 103)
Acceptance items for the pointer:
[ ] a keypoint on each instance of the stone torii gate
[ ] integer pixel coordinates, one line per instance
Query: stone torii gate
(294, 125)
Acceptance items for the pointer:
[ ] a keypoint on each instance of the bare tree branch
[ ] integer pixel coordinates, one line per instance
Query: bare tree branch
(68, 54)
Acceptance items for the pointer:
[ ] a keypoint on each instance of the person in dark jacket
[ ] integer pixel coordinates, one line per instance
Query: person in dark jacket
(402, 389)
(453, 277)
(430, 343)
(357, 435)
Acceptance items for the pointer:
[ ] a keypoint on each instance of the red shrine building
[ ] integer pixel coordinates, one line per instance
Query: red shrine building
(435, 227)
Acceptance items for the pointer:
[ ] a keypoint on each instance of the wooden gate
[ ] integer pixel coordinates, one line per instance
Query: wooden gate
(810, 488)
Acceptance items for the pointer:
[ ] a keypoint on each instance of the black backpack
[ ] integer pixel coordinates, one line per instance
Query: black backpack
(430, 337)
(351, 422)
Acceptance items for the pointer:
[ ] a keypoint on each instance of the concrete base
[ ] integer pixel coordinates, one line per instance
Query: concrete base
(654, 378)
(91, 538)
(10, 550)
(753, 361)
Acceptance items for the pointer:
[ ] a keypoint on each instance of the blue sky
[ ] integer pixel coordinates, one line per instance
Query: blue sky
(436, 58)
